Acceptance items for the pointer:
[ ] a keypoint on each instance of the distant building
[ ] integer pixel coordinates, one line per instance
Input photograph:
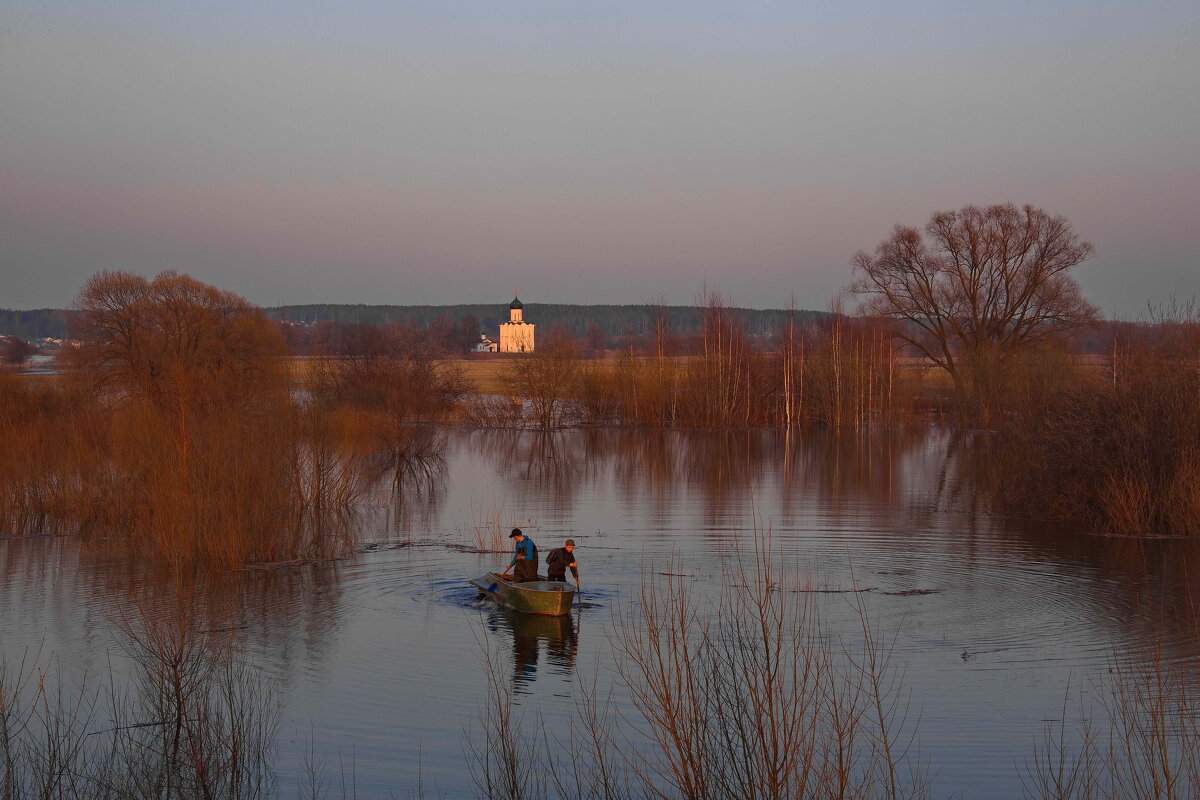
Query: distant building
(516, 335)
(486, 345)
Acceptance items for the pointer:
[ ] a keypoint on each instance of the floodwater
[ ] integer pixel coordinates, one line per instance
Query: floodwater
(380, 660)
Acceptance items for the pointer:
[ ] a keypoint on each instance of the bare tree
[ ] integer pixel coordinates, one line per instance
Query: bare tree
(172, 339)
(979, 288)
(547, 377)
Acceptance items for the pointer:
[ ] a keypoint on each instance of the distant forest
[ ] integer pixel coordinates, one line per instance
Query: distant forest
(613, 320)
(616, 322)
(38, 323)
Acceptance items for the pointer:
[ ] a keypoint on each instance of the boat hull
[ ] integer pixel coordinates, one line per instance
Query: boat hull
(548, 598)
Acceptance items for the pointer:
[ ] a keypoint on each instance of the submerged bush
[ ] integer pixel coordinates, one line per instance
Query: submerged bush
(1138, 736)
(173, 431)
(1118, 451)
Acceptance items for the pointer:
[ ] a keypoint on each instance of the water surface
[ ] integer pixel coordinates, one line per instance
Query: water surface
(381, 658)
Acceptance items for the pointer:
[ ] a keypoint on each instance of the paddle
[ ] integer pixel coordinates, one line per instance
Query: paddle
(491, 589)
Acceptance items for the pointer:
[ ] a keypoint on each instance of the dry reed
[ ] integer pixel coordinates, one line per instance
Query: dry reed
(1138, 737)
(195, 723)
(841, 373)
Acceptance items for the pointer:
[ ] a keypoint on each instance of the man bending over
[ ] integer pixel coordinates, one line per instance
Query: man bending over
(558, 559)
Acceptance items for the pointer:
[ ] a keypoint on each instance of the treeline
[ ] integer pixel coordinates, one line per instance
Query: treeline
(38, 323)
(605, 326)
(445, 336)
(613, 320)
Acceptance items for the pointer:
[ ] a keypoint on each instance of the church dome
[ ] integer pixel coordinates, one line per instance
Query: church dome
(516, 303)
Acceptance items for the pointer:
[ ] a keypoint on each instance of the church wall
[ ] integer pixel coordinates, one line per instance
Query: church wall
(516, 337)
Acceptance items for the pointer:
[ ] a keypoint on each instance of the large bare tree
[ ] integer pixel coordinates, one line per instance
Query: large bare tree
(172, 339)
(978, 288)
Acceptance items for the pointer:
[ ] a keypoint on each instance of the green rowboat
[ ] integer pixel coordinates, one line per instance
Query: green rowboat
(551, 598)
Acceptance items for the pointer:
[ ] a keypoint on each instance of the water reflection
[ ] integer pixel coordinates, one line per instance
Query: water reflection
(552, 641)
(67, 597)
(991, 614)
(723, 468)
(917, 499)
(550, 461)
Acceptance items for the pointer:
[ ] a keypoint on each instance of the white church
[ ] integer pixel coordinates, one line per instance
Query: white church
(516, 335)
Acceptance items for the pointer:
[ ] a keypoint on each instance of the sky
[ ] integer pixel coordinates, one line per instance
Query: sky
(618, 152)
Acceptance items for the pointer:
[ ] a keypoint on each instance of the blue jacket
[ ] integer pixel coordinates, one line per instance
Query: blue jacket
(525, 550)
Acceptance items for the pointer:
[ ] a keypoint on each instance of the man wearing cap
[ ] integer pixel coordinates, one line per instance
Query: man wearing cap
(558, 559)
(524, 563)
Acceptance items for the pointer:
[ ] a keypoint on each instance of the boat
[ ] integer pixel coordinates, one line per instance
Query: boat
(551, 598)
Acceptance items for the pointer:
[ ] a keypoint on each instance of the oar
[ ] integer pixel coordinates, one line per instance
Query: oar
(492, 588)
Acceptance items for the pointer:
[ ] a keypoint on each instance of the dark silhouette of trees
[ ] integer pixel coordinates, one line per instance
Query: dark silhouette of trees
(597, 339)
(15, 350)
(978, 289)
(614, 320)
(36, 323)
(467, 333)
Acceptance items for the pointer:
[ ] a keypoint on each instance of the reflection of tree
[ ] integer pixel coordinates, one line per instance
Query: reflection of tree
(409, 484)
(1145, 587)
(189, 718)
(551, 464)
(847, 471)
(725, 466)
(280, 614)
(897, 485)
(647, 458)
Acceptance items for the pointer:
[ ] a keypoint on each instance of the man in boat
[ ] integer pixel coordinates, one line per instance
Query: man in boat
(524, 563)
(559, 559)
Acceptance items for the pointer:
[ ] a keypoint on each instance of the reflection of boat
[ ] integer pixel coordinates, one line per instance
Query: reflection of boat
(552, 598)
(539, 643)
(540, 626)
